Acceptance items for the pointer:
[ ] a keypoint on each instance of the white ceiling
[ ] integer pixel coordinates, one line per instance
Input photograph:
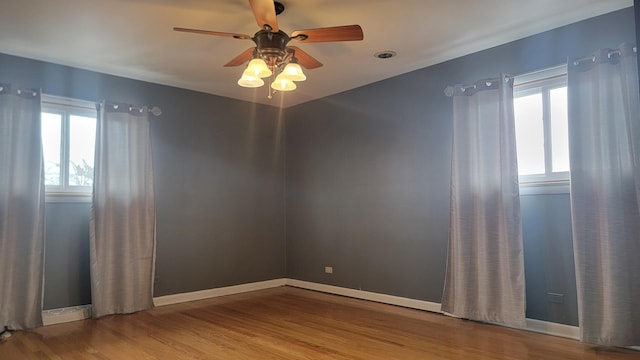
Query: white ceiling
(134, 38)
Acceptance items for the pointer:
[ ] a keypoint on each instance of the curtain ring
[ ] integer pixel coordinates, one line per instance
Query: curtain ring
(157, 111)
(448, 91)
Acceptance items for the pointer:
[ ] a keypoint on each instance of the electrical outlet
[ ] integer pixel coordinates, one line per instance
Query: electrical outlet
(328, 269)
(555, 298)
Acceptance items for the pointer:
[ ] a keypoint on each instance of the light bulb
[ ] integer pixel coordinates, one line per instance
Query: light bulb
(293, 72)
(282, 83)
(258, 68)
(249, 81)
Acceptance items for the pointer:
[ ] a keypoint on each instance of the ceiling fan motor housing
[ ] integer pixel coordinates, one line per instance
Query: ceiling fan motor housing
(271, 46)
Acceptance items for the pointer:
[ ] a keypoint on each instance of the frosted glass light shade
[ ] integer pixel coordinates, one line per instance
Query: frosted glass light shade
(249, 81)
(293, 72)
(282, 83)
(258, 68)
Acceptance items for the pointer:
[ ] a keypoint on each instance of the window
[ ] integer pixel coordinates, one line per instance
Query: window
(541, 121)
(68, 142)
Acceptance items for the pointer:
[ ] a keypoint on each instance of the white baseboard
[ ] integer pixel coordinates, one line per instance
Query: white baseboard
(65, 315)
(549, 328)
(210, 293)
(75, 313)
(366, 295)
(534, 325)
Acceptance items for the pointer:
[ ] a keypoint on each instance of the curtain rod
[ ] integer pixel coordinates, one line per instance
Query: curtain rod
(20, 90)
(449, 90)
(593, 58)
(89, 105)
(155, 110)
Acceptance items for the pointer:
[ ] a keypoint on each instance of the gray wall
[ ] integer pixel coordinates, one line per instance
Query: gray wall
(66, 275)
(219, 186)
(367, 180)
(548, 257)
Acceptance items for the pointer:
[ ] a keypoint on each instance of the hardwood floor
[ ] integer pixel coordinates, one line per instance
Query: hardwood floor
(290, 323)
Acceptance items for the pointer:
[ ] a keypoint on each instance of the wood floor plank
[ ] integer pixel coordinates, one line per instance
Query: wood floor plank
(290, 323)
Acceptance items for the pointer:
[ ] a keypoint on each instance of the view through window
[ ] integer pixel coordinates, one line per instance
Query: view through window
(541, 121)
(68, 141)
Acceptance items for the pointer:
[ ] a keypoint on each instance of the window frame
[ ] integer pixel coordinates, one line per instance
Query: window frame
(66, 108)
(543, 81)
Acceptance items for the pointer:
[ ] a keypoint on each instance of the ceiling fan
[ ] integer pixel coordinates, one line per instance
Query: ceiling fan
(272, 53)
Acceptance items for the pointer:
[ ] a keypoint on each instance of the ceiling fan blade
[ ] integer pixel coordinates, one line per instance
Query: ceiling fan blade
(242, 58)
(216, 33)
(304, 59)
(327, 34)
(265, 13)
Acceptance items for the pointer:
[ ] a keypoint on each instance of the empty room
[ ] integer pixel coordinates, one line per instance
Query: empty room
(259, 179)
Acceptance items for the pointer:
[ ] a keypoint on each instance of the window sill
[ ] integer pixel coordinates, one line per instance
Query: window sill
(544, 187)
(67, 197)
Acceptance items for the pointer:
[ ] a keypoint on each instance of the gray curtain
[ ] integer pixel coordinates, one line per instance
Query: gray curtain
(604, 140)
(21, 209)
(485, 268)
(123, 213)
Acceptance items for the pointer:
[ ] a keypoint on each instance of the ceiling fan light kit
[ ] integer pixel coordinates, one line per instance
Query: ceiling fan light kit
(282, 83)
(257, 68)
(294, 72)
(271, 54)
(249, 81)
